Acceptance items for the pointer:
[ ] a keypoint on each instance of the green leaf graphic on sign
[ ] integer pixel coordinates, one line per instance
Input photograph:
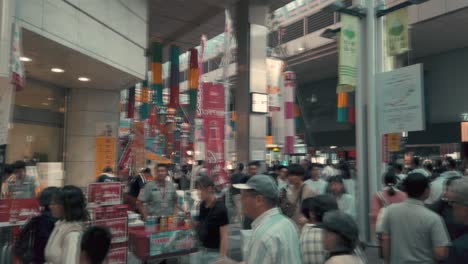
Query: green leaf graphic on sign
(349, 33)
(396, 29)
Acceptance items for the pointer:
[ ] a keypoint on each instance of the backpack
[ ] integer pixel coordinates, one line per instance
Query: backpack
(381, 215)
(288, 208)
(24, 246)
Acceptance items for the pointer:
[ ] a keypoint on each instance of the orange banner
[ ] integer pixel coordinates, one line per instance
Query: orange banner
(105, 153)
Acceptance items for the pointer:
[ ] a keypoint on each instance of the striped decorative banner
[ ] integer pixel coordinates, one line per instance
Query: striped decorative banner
(174, 78)
(348, 44)
(289, 112)
(193, 79)
(342, 107)
(145, 99)
(156, 68)
(131, 103)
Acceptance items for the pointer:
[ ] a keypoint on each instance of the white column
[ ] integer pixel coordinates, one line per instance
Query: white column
(87, 108)
(7, 11)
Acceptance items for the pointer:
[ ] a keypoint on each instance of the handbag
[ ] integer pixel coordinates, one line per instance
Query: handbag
(288, 208)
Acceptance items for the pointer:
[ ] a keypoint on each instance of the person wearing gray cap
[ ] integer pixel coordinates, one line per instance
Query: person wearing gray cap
(341, 238)
(458, 252)
(274, 236)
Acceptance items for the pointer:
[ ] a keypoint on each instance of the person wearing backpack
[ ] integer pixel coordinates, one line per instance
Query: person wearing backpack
(29, 247)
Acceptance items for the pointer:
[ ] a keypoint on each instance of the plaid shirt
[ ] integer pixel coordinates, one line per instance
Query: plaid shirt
(312, 245)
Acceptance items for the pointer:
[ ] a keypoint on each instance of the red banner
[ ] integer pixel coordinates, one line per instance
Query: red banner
(108, 193)
(117, 256)
(118, 228)
(213, 123)
(12, 210)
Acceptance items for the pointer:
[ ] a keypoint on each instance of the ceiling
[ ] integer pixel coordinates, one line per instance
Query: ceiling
(431, 37)
(182, 22)
(46, 54)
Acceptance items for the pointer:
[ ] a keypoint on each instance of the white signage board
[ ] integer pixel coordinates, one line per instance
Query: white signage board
(400, 100)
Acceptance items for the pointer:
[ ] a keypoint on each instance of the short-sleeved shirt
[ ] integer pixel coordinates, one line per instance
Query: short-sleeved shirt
(22, 189)
(293, 196)
(274, 240)
(160, 199)
(312, 245)
(459, 250)
(319, 186)
(107, 178)
(414, 232)
(136, 184)
(347, 204)
(211, 219)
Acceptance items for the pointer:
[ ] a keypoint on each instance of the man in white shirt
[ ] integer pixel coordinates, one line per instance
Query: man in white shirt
(318, 185)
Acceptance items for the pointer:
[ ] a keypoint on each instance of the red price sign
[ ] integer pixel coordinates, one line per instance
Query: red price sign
(12, 210)
(107, 193)
(117, 256)
(118, 228)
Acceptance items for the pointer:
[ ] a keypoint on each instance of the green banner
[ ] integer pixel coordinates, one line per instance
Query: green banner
(348, 43)
(396, 32)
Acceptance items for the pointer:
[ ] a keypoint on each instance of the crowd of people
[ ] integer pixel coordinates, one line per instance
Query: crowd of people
(301, 213)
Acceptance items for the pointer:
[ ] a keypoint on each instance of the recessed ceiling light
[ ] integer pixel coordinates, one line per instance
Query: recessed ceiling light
(50, 98)
(57, 70)
(83, 79)
(46, 104)
(301, 49)
(24, 105)
(25, 59)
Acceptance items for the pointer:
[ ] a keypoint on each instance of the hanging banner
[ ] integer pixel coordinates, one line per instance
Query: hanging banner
(274, 75)
(394, 142)
(105, 153)
(6, 97)
(17, 67)
(199, 142)
(138, 146)
(396, 32)
(213, 123)
(174, 78)
(348, 53)
(289, 125)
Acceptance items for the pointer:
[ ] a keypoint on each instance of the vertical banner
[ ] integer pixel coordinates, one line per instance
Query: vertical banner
(105, 153)
(174, 78)
(199, 142)
(138, 146)
(213, 124)
(348, 53)
(274, 75)
(156, 68)
(396, 30)
(342, 114)
(2, 161)
(289, 126)
(193, 78)
(131, 103)
(17, 67)
(145, 101)
(6, 97)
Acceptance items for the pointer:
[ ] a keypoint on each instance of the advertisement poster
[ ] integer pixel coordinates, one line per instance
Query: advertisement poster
(12, 210)
(117, 256)
(213, 124)
(138, 146)
(401, 100)
(108, 193)
(6, 95)
(105, 153)
(118, 228)
(171, 242)
(274, 79)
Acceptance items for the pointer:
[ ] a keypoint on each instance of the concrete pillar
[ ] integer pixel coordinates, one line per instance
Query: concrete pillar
(251, 77)
(87, 110)
(7, 11)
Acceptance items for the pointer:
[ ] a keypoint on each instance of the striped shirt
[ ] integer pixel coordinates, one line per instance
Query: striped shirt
(274, 240)
(312, 245)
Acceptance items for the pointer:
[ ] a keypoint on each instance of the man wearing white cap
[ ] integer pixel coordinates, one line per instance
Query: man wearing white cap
(458, 252)
(274, 238)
